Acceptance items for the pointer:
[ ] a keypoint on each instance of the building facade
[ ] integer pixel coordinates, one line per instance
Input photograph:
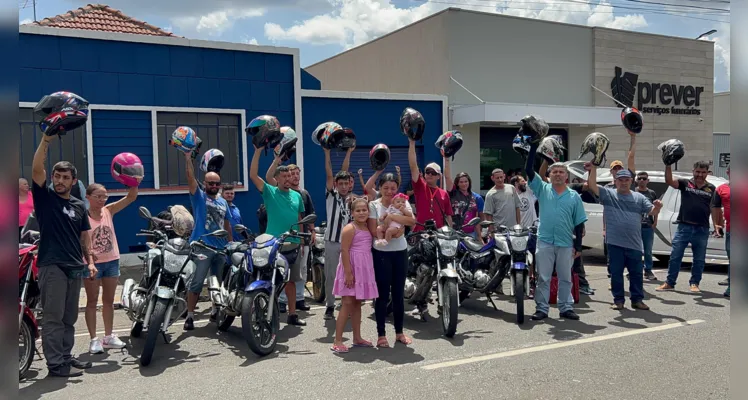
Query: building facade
(495, 69)
(721, 155)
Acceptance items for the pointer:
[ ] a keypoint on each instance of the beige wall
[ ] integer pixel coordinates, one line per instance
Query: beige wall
(658, 59)
(468, 158)
(722, 112)
(517, 60)
(411, 60)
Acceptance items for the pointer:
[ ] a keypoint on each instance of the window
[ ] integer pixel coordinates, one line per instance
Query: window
(217, 131)
(70, 147)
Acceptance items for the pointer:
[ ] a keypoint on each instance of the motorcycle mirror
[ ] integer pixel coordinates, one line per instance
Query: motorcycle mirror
(309, 219)
(144, 212)
(486, 224)
(240, 228)
(219, 233)
(473, 222)
(323, 225)
(503, 227)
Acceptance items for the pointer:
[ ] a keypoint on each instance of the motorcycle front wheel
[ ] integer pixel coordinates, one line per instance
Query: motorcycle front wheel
(318, 282)
(449, 308)
(154, 328)
(519, 295)
(223, 320)
(26, 352)
(261, 335)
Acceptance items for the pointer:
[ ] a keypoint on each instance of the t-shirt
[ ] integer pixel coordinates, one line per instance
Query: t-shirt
(464, 208)
(587, 196)
(432, 203)
(527, 212)
(695, 202)
(559, 213)
(235, 218)
(25, 209)
(61, 222)
(648, 220)
(722, 200)
(375, 210)
(209, 214)
(283, 208)
(307, 200)
(103, 240)
(622, 213)
(338, 215)
(502, 205)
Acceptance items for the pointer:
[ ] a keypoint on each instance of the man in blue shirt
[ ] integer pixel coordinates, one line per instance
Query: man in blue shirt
(234, 216)
(211, 214)
(622, 213)
(560, 233)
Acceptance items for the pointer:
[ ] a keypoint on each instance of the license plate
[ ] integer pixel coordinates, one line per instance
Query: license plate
(519, 265)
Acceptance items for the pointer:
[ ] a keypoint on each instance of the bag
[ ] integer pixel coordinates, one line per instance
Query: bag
(262, 218)
(574, 288)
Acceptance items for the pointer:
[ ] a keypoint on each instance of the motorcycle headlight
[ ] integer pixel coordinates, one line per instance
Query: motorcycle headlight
(448, 247)
(261, 257)
(519, 243)
(319, 242)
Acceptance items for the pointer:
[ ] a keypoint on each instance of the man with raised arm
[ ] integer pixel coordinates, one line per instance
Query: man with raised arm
(432, 202)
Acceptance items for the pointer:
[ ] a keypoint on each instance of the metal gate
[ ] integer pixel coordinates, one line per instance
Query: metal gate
(721, 154)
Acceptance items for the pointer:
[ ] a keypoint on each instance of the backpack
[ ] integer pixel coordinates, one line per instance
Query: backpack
(262, 218)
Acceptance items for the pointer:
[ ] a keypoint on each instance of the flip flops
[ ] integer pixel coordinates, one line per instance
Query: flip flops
(363, 343)
(339, 348)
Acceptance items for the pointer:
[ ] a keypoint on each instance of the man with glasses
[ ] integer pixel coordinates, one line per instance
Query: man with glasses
(649, 223)
(432, 201)
(211, 213)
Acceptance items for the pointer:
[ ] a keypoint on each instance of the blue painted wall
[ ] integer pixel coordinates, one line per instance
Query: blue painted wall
(309, 81)
(124, 73)
(373, 121)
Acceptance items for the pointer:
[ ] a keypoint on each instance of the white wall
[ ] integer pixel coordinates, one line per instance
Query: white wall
(722, 113)
(468, 159)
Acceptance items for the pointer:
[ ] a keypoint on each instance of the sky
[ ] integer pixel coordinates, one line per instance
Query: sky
(323, 28)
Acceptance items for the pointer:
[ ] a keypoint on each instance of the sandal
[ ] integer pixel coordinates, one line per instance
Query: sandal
(339, 348)
(403, 339)
(363, 343)
(382, 343)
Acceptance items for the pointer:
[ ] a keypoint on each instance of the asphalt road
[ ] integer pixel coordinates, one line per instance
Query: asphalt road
(678, 350)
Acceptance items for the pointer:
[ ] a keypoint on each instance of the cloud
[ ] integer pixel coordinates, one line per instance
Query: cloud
(26, 21)
(217, 22)
(354, 22)
(721, 56)
(247, 40)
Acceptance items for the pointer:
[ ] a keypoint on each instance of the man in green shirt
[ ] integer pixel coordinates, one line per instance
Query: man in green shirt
(284, 209)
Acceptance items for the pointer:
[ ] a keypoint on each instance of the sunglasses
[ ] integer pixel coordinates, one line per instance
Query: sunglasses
(101, 197)
(212, 183)
(641, 178)
(431, 172)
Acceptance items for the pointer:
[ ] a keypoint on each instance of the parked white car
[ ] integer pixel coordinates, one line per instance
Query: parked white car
(666, 225)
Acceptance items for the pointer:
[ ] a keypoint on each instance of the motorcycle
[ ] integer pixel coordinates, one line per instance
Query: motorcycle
(257, 284)
(159, 299)
(225, 295)
(433, 259)
(316, 264)
(475, 260)
(29, 300)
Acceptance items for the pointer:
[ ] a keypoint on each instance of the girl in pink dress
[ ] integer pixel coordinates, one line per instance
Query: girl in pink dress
(354, 280)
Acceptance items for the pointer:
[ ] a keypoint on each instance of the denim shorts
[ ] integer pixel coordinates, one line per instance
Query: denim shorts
(109, 269)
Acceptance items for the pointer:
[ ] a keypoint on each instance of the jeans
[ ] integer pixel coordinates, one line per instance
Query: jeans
(108, 269)
(301, 285)
(60, 295)
(698, 237)
(620, 258)
(648, 239)
(213, 263)
(546, 256)
(389, 272)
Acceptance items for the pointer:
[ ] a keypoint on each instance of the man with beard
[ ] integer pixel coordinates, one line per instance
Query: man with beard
(502, 205)
(527, 200)
(308, 209)
(211, 213)
(432, 201)
(64, 250)
(285, 208)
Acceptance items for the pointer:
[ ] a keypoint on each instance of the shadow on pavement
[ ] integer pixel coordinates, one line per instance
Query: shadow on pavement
(563, 330)
(47, 384)
(398, 354)
(649, 317)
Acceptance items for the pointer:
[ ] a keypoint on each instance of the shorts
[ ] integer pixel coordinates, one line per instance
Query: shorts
(213, 263)
(293, 256)
(107, 269)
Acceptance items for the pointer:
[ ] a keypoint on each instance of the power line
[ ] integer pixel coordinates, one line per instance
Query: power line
(677, 5)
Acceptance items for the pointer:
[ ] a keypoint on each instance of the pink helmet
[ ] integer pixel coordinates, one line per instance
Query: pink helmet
(126, 168)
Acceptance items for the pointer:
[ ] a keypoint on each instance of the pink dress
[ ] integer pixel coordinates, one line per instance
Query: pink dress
(363, 270)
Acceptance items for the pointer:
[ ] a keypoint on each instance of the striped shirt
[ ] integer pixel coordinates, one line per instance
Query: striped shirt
(338, 215)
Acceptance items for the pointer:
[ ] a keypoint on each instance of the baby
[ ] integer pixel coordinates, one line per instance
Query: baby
(387, 227)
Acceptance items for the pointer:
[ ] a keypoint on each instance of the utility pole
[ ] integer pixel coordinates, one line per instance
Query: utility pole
(33, 4)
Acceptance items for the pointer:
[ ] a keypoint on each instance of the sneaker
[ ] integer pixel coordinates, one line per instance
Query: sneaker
(539, 316)
(650, 276)
(725, 282)
(640, 306)
(189, 324)
(76, 363)
(586, 290)
(569, 315)
(95, 346)
(329, 313)
(294, 319)
(695, 288)
(66, 371)
(665, 288)
(617, 306)
(283, 308)
(113, 342)
(301, 305)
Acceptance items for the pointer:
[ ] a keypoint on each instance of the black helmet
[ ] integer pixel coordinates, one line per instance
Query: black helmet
(521, 145)
(672, 151)
(347, 139)
(632, 119)
(449, 143)
(213, 160)
(328, 135)
(534, 128)
(551, 149)
(287, 146)
(265, 131)
(597, 144)
(412, 124)
(61, 112)
(379, 157)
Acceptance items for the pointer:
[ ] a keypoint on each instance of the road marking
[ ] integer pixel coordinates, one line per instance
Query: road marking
(559, 345)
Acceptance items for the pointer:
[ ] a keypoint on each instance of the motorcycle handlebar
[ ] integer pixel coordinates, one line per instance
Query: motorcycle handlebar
(200, 244)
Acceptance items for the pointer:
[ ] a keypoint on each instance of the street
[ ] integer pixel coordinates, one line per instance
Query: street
(678, 350)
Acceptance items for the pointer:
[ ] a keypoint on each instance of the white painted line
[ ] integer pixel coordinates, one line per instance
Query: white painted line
(559, 345)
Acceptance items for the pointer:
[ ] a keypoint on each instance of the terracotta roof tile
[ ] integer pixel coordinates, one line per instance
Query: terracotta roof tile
(100, 17)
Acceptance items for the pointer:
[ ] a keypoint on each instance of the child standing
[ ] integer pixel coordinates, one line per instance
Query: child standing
(387, 227)
(354, 279)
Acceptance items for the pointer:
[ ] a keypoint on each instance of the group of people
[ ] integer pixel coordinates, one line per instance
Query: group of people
(365, 236)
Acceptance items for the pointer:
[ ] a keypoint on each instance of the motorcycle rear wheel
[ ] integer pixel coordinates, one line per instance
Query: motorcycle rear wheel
(261, 335)
(519, 296)
(154, 328)
(449, 309)
(223, 320)
(26, 355)
(318, 282)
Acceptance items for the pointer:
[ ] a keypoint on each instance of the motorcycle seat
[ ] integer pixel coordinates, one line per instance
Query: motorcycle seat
(472, 244)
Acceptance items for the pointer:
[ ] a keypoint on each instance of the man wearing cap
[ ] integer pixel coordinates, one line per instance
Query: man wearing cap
(622, 210)
(432, 201)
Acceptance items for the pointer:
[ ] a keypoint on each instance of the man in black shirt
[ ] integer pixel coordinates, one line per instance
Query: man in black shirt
(64, 252)
(693, 224)
(649, 223)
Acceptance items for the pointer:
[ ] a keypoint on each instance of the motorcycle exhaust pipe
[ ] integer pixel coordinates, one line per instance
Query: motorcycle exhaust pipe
(214, 288)
(125, 295)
